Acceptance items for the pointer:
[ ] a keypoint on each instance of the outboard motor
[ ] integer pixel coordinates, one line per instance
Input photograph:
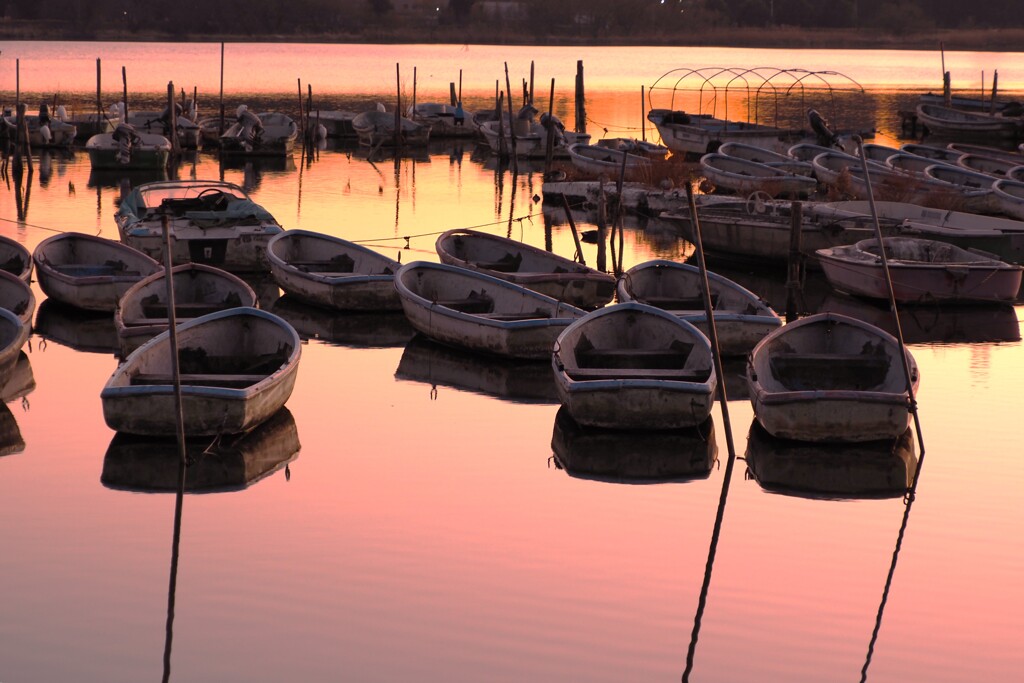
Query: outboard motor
(251, 127)
(44, 124)
(550, 121)
(126, 138)
(826, 138)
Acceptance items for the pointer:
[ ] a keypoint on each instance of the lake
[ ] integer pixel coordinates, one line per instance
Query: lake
(425, 529)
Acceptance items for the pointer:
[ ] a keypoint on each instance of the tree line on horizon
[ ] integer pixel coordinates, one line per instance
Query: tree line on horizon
(578, 18)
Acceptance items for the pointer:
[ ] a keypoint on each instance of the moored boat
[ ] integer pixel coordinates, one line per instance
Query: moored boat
(480, 312)
(89, 272)
(597, 160)
(263, 134)
(741, 318)
(957, 123)
(210, 221)
(15, 258)
(377, 129)
(198, 290)
(237, 367)
(540, 270)
(124, 149)
(13, 335)
(745, 177)
(1009, 197)
(332, 272)
(17, 297)
(828, 377)
(634, 366)
(698, 134)
(922, 271)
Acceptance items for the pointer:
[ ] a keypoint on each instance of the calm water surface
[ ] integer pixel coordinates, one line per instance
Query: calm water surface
(424, 530)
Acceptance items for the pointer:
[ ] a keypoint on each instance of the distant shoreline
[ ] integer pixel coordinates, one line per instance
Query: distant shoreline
(985, 40)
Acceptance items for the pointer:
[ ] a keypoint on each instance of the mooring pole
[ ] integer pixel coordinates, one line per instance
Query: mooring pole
(220, 131)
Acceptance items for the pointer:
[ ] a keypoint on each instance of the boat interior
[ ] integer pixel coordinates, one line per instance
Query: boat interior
(198, 368)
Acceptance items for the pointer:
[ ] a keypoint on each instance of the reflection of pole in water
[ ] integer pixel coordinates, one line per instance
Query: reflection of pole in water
(724, 401)
(512, 200)
(398, 183)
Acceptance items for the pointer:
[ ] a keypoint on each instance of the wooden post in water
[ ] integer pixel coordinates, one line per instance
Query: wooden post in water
(947, 95)
(549, 149)
(794, 273)
(413, 110)
(502, 151)
(220, 130)
(511, 119)
(460, 85)
(99, 97)
(124, 94)
(531, 81)
(995, 86)
(581, 107)
(302, 127)
(398, 109)
(602, 227)
(173, 123)
(643, 116)
(451, 93)
(572, 227)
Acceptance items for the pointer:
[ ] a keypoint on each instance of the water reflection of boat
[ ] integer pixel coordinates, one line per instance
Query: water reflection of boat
(647, 455)
(873, 469)
(87, 331)
(10, 434)
(151, 464)
(521, 381)
(20, 382)
(372, 330)
(129, 177)
(934, 324)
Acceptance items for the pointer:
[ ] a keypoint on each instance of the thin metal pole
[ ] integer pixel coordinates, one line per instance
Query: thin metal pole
(179, 424)
(724, 401)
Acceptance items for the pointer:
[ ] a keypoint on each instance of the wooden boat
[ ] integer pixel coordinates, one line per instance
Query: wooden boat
(89, 272)
(783, 162)
(210, 130)
(1003, 237)
(877, 152)
(1016, 173)
(157, 123)
(1009, 197)
(741, 318)
(634, 366)
(957, 123)
(922, 271)
(17, 297)
(596, 160)
(806, 151)
(198, 289)
(15, 258)
(479, 312)
(643, 148)
(377, 129)
(699, 134)
(760, 232)
(525, 265)
(337, 122)
(508, 379)
(987, 151)
(232, 463)
(616, 455)
(238, 367)
(275, 136)
(445, 120)
(873, 469)
(13, 335)
(55, 134)
(960, 177)
(143, 151)
(828, 377)
(88, 124)
(331, 272)
(943, 154)
(531, 139)
(744, 176)
(210, 221)
(11, 441)
(988, 165)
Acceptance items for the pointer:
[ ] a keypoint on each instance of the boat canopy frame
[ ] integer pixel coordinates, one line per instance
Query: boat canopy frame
(715, 84)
